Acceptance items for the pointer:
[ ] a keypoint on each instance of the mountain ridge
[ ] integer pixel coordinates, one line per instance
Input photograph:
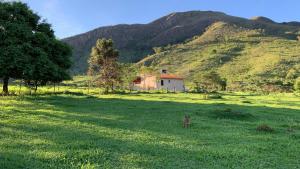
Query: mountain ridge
(248, 57)
(136, 41)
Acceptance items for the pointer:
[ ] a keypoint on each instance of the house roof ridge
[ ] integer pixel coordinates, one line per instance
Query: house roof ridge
(170, 76)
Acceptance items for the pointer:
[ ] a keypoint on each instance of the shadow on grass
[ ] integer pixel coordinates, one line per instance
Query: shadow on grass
(112, 133)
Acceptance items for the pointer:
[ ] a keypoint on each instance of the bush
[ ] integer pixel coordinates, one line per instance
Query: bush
(264, 128)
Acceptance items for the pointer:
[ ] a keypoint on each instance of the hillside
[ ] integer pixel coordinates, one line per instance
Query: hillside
(238, 54)
(137, 41)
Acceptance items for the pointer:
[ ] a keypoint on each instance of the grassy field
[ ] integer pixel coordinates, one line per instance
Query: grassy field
(145, 131)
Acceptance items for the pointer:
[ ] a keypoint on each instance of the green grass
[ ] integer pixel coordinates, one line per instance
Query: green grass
(145, 131)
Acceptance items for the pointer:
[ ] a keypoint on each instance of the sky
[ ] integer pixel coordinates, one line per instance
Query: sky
(71, 17)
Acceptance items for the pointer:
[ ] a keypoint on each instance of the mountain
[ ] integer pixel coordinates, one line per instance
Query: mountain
(137, 41)
(238, 54)
(263, 19)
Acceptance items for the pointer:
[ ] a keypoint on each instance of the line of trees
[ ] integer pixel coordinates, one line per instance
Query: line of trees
(29, 49)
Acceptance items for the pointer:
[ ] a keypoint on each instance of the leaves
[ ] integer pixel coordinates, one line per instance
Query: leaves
(103, 64)
(28, 47)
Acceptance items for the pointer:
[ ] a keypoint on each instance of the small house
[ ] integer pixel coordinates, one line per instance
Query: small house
(162, 81)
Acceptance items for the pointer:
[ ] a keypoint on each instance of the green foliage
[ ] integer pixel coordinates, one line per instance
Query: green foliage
(29, 49)
(104, 66)
(211, 81)
(293, 74)
(158, 49)
(129, 73)
(297, 84)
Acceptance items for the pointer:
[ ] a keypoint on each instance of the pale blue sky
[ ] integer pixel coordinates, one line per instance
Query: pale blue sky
(71, 17)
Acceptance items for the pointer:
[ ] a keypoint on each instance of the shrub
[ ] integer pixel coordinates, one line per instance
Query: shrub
(264, 128)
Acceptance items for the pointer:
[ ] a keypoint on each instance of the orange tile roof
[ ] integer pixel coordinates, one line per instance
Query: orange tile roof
(170, 76)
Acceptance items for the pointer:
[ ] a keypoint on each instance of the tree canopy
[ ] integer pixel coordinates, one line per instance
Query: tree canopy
(211, 81)
(103, 64)
(28, 47)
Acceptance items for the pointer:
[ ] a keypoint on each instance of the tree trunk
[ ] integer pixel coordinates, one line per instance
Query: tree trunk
(89, 86)
(5, 85)
(35, 87)
(112, 87)
(106, 89)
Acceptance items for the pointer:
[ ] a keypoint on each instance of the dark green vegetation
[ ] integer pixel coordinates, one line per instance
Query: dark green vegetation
(137, 41)
(145, 131)
(29, 49)
(247, 59)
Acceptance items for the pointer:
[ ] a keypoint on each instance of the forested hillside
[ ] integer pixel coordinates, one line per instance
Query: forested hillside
(137, 41)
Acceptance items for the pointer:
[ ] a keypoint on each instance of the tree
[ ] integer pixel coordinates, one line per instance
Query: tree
(103, 64)
(50, 59)
(28, 47)
(158, 50)
(129, 74)
(292, 75)
(212, 81)
(17, 23)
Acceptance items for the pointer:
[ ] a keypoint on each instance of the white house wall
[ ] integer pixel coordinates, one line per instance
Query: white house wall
(171, 85)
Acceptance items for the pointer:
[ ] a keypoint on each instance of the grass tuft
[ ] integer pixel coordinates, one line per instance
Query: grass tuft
(246, 101)
(230, 114)
(264, 128)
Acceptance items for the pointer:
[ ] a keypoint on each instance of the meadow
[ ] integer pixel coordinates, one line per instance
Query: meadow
(144, 130)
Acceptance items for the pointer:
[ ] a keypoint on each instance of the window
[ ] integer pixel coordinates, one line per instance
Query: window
(169, 81)
(162, 82)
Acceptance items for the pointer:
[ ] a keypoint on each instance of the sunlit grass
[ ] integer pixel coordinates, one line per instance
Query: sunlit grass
(88, 130)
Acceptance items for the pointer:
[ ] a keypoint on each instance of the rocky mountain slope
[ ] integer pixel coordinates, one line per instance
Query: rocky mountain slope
(137, 41)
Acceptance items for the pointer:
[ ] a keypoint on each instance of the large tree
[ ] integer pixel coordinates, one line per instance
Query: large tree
(28, 47)
(49, 60)
(103, 64)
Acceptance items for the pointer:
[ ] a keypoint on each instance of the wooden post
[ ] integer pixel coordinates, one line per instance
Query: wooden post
(5, 85)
